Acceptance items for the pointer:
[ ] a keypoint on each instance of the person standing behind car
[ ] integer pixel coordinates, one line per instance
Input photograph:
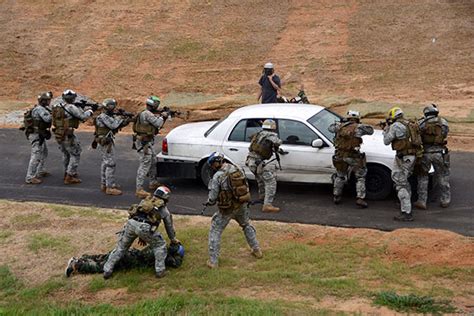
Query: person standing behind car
(37, 134)
(434, 133)
(270, 85)
(146, 126)
(347, 141)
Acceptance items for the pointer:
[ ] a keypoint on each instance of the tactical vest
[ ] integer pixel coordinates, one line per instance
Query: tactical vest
(345, 140)
(261, 146)
(148, 209)
(61, 123)
(238, 193)
(432, 134)
(412, 144)
(143, 128)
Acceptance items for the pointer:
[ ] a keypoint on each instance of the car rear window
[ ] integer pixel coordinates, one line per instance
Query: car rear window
(214, 126)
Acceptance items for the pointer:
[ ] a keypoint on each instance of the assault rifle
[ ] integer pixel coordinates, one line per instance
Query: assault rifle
(277, 153)
(169, 111)
(383, 124)
(84, 103)
(122, 112)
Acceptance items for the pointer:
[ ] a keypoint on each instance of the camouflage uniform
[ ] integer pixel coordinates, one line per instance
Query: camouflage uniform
(70, 145)
(435, 153)
(141, 226)
(39, 149)
(344, 160)
(107, 124)
(220, 219)
(146, 152)
(403, 165)
(265, 174)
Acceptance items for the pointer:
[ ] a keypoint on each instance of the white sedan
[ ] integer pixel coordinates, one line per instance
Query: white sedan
(303, 129)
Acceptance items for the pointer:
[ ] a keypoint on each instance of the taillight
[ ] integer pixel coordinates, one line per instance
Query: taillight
(164, 146)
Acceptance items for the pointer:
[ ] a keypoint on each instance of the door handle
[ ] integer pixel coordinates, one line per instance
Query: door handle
(233, 149)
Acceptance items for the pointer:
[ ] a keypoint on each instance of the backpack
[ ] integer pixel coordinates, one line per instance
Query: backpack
(146, 206)
(239, 186)
(28, 122)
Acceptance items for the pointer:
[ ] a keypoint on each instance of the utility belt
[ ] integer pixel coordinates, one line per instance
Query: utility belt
(142, 220)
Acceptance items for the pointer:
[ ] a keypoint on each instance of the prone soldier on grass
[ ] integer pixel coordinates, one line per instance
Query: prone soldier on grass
(229, 189)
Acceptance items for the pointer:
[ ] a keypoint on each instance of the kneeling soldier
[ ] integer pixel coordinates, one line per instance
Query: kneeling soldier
(348, 157)
(229, 188)
(143, 223)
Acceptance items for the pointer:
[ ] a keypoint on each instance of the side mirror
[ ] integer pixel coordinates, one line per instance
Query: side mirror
(317, 143)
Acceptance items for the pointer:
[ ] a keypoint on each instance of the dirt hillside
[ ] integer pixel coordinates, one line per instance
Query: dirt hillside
(411, 50)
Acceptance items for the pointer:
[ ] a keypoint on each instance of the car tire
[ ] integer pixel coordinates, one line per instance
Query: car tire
(205, 173)
(378, 182)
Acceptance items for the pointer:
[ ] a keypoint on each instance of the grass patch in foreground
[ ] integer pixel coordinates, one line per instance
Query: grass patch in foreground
(413, 303)
(41, 241)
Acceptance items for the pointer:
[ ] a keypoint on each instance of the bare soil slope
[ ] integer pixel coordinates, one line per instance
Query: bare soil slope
(415, 51)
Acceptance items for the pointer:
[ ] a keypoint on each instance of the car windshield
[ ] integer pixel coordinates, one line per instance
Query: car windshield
(322, 120)
(214, 126)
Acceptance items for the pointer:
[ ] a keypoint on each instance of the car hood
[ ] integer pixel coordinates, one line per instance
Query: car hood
(190, 130)
(374, 146)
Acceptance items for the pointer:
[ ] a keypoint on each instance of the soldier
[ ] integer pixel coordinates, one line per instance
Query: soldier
(132, 259)
(146, 126)
(37, 124)
(404, 137)
(347, 140)
(262, 147)
(66, 118)
(143, 223)
(106, 126)
(229, 188)
(434, 133)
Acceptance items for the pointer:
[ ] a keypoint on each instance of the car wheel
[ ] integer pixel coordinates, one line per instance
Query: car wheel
(378, 182)
(206, 174)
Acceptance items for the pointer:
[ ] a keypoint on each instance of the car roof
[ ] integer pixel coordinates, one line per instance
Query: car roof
(278, 110)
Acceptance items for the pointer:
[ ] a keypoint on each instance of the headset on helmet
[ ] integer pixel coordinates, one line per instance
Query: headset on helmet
(215, 157)
(351, 114)
(163, 192)
(394, 113)
(269, 124)
(109, 104)
(69, 95)
(153, 101)
(431, 110)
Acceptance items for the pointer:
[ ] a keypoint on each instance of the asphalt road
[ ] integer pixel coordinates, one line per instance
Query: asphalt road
(300, 203)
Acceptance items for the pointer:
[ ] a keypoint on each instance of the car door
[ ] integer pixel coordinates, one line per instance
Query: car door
(237, 142)
(303, 163)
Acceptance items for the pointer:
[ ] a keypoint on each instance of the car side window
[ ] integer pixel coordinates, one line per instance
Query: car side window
(245, 129)
(295, 133)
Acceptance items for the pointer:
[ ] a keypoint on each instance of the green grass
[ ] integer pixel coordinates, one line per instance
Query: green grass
(27, 219)
(41, 241)
(5, 234)
(413, 303)
(70, 211)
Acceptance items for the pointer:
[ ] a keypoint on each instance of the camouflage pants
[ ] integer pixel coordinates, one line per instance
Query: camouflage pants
(107, 168)
(265, 175)
(39, 153)
(132, 230)
(147, 166)
(358, 166)
(133, 258)
(441, 166)
(219, 223)
(402, 170)
(71, 149)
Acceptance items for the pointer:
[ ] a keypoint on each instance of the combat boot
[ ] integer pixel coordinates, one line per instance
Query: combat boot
(404, 217)
(257, 253)
(361, 203)
(420, 205)
(211, 265)
(113, 191)
(103, 188)
(337, 199)
(161, 274)
(71, 180)
(444, 204)
(268, 208)
(154, 186)
(71, 267)
(142, 193)
(44, 174)
(107, 274)
(34, 180)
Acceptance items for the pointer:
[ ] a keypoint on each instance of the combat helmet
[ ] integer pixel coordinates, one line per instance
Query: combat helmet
(431, 110)
(269, 124)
